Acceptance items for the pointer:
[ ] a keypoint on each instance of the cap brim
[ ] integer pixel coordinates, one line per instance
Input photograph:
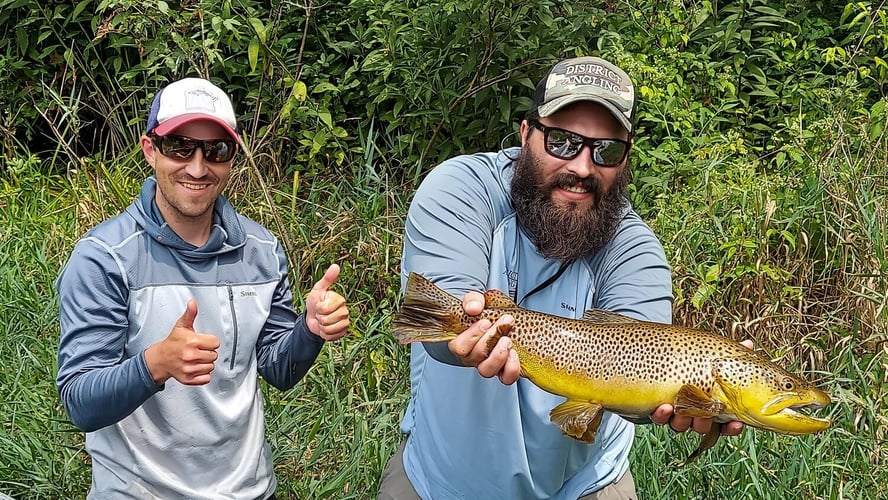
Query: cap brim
(173, 123)
(554, 105)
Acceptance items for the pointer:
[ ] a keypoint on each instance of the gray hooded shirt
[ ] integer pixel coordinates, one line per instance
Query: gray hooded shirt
(125, 285)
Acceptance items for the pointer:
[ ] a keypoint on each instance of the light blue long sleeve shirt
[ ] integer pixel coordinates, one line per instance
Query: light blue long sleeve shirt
(471, 437)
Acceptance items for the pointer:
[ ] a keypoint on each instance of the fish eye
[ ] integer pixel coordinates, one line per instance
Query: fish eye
(788, 384)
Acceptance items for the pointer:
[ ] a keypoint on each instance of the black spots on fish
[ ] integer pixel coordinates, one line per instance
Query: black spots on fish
(746, 369)
(636, 352)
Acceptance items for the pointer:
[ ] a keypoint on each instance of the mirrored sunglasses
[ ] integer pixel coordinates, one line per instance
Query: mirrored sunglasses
(181, 148)
(566, 145)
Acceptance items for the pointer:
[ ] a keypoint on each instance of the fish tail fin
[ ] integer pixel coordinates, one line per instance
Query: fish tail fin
(427, 314)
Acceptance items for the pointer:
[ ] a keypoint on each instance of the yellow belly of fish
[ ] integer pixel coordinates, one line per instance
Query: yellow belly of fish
(617, 394)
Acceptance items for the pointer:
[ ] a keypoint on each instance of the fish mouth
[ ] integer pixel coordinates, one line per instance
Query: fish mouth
(801, 412)
(795, 418)
(793, 401)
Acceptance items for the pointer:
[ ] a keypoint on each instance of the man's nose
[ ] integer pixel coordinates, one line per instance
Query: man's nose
(197, 166)
(582, 165)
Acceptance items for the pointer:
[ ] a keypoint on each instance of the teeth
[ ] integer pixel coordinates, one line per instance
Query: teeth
(803, 409)
(574, 189)
(806, 407)
(195, 186)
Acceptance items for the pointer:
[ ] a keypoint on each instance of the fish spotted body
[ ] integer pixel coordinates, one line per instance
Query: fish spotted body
(606, 361)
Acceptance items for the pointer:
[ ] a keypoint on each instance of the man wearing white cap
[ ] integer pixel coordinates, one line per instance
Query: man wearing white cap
(548, 223)
(169, 310)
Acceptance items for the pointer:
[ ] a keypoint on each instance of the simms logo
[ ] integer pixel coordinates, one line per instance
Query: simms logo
(248, 293)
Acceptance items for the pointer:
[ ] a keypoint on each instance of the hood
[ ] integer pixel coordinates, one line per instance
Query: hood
(226, 235)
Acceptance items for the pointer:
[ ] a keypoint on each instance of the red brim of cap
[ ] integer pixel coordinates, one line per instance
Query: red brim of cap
(177, 121)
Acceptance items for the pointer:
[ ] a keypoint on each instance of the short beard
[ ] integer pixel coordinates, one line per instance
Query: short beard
(561, 231)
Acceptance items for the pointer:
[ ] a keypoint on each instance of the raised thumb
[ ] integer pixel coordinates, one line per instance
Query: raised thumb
(187, 318)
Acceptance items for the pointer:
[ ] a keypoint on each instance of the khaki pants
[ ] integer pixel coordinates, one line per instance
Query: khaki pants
(394, 484)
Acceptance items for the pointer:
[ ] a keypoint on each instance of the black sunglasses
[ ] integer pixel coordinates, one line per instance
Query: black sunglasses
(566, 145)
(181, 148)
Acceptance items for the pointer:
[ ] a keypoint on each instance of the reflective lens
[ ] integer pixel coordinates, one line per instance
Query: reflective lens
(181, 148)
(566, 145)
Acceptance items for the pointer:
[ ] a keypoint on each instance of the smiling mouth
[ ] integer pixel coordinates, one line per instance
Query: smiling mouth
(195, 187)
(575, 189)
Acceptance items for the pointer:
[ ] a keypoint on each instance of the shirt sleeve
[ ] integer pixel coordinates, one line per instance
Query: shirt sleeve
(286, 348)
(97, 384)
(448, 232)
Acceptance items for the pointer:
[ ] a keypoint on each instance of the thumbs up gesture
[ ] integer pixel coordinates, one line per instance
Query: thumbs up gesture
(184, 355)
(325, 311)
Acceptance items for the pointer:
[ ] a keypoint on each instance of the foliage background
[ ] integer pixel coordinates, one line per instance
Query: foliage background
(760, 161)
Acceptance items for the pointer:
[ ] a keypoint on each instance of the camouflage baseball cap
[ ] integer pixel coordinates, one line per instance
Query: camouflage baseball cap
(587, 79)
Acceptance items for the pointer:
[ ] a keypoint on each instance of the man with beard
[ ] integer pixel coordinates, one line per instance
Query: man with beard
(170, 310)
(549, 224)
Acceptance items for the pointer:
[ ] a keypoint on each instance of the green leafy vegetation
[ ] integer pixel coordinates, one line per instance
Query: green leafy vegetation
(760, 162)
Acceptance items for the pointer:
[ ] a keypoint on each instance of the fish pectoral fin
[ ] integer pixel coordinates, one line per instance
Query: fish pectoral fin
(707, 442)
(691, 401)
(578, 419)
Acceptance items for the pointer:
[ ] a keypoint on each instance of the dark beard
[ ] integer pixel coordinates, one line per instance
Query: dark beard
(561, 231)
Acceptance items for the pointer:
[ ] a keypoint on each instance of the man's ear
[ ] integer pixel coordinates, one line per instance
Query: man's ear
(522, 131)
(148, 150)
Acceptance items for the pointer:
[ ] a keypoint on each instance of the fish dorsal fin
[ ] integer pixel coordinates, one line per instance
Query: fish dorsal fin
(602, 316)
(495, 299)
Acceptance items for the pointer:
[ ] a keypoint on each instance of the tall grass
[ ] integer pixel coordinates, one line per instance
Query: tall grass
(795, 260)
(40, 454)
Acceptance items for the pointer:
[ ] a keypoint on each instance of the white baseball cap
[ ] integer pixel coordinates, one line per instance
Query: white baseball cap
(188, 100)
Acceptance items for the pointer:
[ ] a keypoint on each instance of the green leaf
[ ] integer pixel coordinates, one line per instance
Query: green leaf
(21, 38)
(253, 53)
(300, 91)
(326, 118)
(703, 292)
(325, 87)
(80, 7)
(712, 273)
(756, 72)
(259, 28)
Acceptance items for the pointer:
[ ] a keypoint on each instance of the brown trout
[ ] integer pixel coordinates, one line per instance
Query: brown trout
(607, 361)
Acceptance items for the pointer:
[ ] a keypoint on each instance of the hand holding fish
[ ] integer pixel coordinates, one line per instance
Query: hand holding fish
(471, 346)
(665, 415)
(326, 313)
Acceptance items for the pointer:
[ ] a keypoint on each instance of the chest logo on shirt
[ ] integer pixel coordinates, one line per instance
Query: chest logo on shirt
(512, 276)
(249, 293)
